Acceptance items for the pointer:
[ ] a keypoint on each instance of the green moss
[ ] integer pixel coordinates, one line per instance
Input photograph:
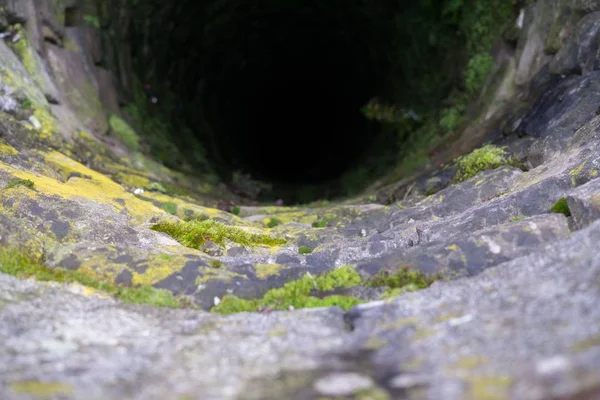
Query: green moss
(170, 207)
(482, 159)
(395, 292)
(404, 278)
(304, 250)
(195, 233)
(517, 218)
(322, 223)
(157, 187)
(92, 20)
(561, 207)
(477, 70)
(15, 263)
(235, 210)
(215, 263)
(273, 222)
(20, 182)
(124, 132)
(298, 294)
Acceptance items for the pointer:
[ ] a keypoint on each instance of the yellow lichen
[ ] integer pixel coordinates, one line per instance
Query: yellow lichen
(41, 389)
(7, 150)
(489, 387)
(158, 269)
(263, 271)
(575, 172)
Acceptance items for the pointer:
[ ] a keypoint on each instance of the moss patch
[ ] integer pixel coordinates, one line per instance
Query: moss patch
(304, 250)
(15, 263)
(298, 294)
(21, 182)
(273, 222)
(561, 207)
(482, 159)
(405, 279)
(124, 132)
(322, 223)
(170, 207)
(195, 233)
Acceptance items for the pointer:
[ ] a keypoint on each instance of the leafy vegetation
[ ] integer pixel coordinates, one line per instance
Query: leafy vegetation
(304, 250)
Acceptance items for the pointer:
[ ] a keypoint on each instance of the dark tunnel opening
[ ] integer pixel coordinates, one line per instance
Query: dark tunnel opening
(279, 89)
(288, 108)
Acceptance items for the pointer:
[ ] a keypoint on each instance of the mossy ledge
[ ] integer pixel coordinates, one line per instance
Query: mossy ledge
(403, 280)
(482, 159)
(299, 294)
(15, 263)
(195, 233)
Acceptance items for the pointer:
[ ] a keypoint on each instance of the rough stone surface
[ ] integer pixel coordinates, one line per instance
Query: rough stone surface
(515, 314)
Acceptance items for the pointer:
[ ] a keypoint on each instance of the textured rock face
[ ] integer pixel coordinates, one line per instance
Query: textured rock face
(515, 316)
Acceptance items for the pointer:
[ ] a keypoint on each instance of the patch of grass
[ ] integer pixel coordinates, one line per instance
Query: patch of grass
(561, 207)
(297, 294)
(273, 222)
(124, 132)
(170, 207)
(195, 233)
(482, 159)
(322, 223)
(403, 278)
(17, 264)
(304, 250)
(21, 182)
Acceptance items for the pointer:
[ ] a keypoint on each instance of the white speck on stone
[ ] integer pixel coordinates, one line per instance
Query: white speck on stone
(35, 122)
(363, 232)
(461, 320)
(138, 191)
(406, 381)
(291, 308)
(342, 384)
(494, 247)
(552, 365)
(521, 19)
(216, 301)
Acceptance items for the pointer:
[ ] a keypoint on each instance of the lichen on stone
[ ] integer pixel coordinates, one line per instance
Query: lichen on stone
(16, 263)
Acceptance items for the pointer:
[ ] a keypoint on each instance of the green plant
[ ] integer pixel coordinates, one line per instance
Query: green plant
(170, 207)
(124, 132)
(561, 207)
(195, 233)
(273, 222)
(484, 158)
(21, 182)
(300, 293)
(215, 263)
(321, 223)
(235, 210)
(304, 250)
(92, 20)
(402, 278)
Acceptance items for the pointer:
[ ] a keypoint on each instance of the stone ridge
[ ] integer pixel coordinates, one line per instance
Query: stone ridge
(514, 314)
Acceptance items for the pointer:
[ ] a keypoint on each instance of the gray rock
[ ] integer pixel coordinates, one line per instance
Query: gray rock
(584, 204)
(580, 53)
